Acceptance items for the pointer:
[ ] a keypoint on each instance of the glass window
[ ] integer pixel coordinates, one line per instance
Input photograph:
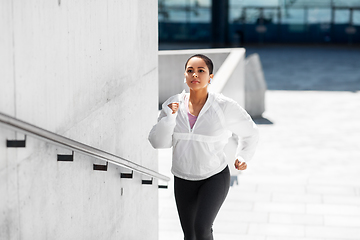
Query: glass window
(342, 16)
(202, 3)
(254, 3)
(346, 3)
(176, 15)
(252, 15)
(237, 14)
(293, 16)
(199, 10)
(271, 15)
(184, 10)
(172, 11)
(235, 3)
(356, 17)
(319, 15)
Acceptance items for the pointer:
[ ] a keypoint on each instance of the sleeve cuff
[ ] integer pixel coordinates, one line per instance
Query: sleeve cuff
(241, 159)
(169, 116)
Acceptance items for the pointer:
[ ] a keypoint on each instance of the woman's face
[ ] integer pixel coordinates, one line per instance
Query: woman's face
(197, 74)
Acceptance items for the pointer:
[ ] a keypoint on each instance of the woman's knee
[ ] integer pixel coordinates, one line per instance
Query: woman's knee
(203, 232)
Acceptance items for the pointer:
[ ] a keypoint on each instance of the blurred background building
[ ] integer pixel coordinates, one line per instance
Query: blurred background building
(259, 21)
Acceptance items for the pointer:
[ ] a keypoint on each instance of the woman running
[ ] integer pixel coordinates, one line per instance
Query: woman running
(198, 125)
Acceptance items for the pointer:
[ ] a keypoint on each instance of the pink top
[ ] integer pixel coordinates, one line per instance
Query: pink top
(192, 118)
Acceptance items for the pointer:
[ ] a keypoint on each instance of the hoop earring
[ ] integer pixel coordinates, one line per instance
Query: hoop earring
(210, 80)
(184, 80)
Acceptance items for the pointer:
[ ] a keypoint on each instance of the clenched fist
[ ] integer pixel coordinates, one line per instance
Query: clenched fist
(174, 107)
(240, 165)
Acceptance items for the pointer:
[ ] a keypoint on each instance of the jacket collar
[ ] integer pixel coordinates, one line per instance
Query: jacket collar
(207, 105)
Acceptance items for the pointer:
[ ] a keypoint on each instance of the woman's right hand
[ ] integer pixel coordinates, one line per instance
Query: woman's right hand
(174, 107)
(240, 165)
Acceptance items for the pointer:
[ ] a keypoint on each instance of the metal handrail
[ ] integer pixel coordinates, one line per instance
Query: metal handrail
(68, 143)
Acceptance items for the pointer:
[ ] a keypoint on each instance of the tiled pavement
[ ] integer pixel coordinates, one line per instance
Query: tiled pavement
(304, 180)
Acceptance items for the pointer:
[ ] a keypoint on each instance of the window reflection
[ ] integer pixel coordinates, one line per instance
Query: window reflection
(271, 15)
(184, 10)
(263, 20)
(342, 16)
(319, 15)
(356, 18)
(293, 16)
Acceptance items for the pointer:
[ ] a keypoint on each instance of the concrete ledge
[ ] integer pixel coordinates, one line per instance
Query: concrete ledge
(255, 86)
(229, 79)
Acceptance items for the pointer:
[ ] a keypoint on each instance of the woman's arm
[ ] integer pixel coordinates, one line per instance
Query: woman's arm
(240, 123)
(160, 135)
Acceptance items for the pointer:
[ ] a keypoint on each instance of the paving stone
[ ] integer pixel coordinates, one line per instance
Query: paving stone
(169, 213)
(277, 230)
(230, 227)
(279, 207)
(342, 221)
(343, 233)
(282, 188)
(242, 187)
(331, 209)
(270, 179)
(238, 205)
(336, 199)
(326, 189)
(337, 178)
(163, 234)
(297, 198)
(293, 238)
(225, 236)
(169, 224)
(303, 219)
(250, 196)
(242, 216)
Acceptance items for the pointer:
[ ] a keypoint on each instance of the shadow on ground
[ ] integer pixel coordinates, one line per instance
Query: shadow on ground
(262, 120)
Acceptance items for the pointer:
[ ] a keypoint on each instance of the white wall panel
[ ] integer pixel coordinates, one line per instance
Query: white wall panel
(87, 70)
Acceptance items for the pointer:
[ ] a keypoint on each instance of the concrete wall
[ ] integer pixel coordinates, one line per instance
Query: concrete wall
(86, 70)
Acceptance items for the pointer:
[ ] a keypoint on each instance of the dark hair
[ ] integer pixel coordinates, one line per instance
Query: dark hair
(207, 61)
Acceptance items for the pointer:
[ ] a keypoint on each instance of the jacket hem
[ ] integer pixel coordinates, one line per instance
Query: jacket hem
(198, 177)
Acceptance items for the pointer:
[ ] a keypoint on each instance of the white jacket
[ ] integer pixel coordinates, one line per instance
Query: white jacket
(198, 153)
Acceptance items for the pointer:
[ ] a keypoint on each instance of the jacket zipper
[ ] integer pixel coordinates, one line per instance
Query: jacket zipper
(187, 116)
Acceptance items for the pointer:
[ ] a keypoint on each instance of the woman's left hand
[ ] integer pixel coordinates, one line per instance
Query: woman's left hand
(240, 165)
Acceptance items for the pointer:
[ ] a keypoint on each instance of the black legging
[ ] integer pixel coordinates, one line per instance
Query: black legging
(198, 203)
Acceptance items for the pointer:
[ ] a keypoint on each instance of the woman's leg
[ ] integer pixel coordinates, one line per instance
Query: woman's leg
(186, 193)
(212, 194)
(198, 203)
